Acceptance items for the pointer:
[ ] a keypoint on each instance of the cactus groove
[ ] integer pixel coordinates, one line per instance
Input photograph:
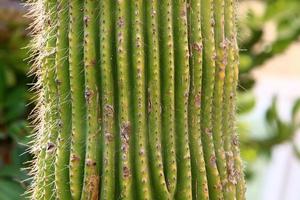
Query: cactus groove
(136, 100)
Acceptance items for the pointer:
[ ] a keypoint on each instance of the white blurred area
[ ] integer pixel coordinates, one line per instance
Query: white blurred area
(279, 177)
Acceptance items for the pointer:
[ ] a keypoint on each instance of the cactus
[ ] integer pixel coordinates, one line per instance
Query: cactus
(136, 100)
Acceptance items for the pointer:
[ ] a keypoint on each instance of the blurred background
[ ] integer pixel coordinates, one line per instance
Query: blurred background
(268, 100)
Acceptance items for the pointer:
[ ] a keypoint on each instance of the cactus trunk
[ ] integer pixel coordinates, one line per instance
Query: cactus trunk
(136, 100)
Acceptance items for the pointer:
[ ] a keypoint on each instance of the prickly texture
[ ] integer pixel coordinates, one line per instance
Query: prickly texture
(136, 100)
(77, 93)
(64, 110)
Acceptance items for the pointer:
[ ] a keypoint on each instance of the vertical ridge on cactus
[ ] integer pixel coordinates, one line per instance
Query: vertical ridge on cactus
(50, 99)
(220, 62)
(108, 109)
(136, 100)
(154, 100)
(78, 94)
(181, 54)
(64, 109)
(208, 80)
(125, 147)
(92, 158)
(199, 179)
(166, 46)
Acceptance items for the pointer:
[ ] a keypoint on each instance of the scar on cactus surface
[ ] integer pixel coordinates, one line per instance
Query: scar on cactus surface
(136, 100)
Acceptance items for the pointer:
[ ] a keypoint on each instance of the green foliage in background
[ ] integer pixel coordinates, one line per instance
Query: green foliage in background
(14, 97)
(256, 49)
(279, 131)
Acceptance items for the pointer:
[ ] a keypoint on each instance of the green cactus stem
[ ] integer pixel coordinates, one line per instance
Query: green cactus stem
(136, 100)
(63, 97)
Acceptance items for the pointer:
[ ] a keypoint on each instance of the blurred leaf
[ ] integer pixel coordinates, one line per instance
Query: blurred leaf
(15, 103)
(19, 131)
(14, 96)
(296, 149)
(249, 154)
(10, 171)
(296, 110)
(250, 31)
(245, 63)
(245, 103)
(2, 85)
(246, 82)
(10, 190)
(10, 77)
(15, 169)
(271, 114)
(278, 9)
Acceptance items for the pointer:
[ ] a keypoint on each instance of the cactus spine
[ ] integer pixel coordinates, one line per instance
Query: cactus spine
(136, 100)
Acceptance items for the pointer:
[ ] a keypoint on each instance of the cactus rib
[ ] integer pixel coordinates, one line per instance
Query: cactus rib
(64, 110)
(160, 189)
(91, 170)
(124, 115)
(199, 180)
(181, 52)
(77, 85)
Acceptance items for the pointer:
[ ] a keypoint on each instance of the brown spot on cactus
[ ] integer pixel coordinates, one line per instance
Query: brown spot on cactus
(109, 137)
(50, 147)
(109, 110)
(90, 162)
(74, 158)
(149, 105)
(198, 100)
(86, 20)
(93, 63)
(213, 161)
(93, 185)
(121, 22)
(198, 47)
(126, 172)
(235, 140)
(126, 131)
(88, 94)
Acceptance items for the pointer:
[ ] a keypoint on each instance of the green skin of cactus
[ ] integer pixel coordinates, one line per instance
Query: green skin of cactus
(137, 100)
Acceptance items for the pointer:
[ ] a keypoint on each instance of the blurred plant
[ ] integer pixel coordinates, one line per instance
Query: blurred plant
(283, 17)
(279, 131)
(14, 96)
(256, 49)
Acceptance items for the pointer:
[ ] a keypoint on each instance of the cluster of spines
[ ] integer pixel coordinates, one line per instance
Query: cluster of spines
(36, 11)
(137, 100)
